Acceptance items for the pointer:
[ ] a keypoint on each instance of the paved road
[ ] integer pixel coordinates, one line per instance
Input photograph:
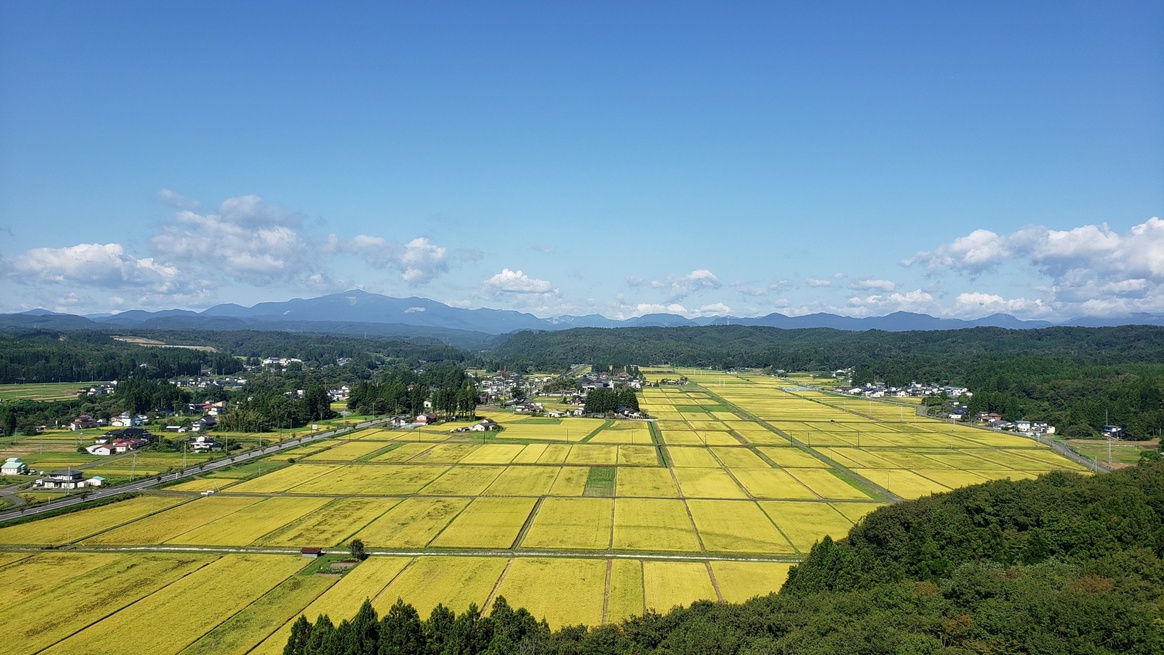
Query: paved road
(146, 483)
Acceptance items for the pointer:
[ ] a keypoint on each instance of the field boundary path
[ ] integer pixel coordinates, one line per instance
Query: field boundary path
(153, 481)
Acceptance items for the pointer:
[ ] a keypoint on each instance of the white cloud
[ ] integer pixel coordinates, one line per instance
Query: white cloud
(979, 303)
(517, 283)
(175, 200)
(878, 304)
(975, 252)
(757, 289)
(714, 309)
(246, 240)
(95, 264)
(1093, 269)
(872, 285)
(680, 287)
(817, 283)
(419, 261)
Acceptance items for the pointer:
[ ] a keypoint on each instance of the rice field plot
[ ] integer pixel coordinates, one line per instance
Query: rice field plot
(736, 527)
(100, 585)
(530, 454)
(624, 594)
(690, 457)
(283, 479)
(668, 584)
(908, 459)
(331, 524)
(807, 523)
(1009, 475)
(583, 523)
(524, 481)
(494, 453)
(403, 453)
(739, 458)
(163, 621)
(10, 558)
(638, 456)
(950, 478)
(856, 511)
(906, 484)
(674, 437)
(759, 435)
(771, 483)
(486, 523)
(827, 485)
(571, 481)
(963, 460)
(554, 454)
(792, 457)
(163, 526)
(740, 581)
(984, 437)
(653, 525)
(462, 481)
(256, 621)
(525, 585)
(640, 436)
(342, 599)
(571, 429)
(1046, 457)
(347, 452)
(412, 523)
(444, 453)
(600, 481)
(250, 523)
(596, 455)
(645, 482)
(41, 573)
(707, 483)
(387, 480)
(455, 582)
(44, 390)
(857, 457)
(78, 525)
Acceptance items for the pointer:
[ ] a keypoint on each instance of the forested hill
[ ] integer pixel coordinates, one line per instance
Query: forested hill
(728, 346)
(1062, 564)
(80, 356)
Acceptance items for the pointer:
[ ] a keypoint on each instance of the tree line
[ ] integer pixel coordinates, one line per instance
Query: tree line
(601, 401)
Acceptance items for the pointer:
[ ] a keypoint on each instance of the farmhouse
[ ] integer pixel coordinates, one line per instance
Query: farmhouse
(13, 466)
(83, 422)
(201, 444)
(61, 480)
(487, 425)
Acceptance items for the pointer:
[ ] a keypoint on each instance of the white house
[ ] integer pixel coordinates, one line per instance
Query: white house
(13, 466)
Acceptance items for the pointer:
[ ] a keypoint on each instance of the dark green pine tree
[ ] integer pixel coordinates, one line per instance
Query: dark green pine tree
(300, 637)
(401, 631)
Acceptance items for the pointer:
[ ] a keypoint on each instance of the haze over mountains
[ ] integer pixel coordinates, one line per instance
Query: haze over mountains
(353, 312)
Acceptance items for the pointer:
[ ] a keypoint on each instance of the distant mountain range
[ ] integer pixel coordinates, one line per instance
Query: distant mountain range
(355, 312)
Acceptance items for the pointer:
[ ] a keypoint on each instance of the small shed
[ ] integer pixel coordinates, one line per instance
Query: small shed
(311, 552)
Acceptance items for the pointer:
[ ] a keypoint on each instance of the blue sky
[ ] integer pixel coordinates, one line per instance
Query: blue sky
(957, 158)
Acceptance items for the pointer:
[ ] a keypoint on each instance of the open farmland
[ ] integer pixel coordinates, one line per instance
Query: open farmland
(736, 480)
